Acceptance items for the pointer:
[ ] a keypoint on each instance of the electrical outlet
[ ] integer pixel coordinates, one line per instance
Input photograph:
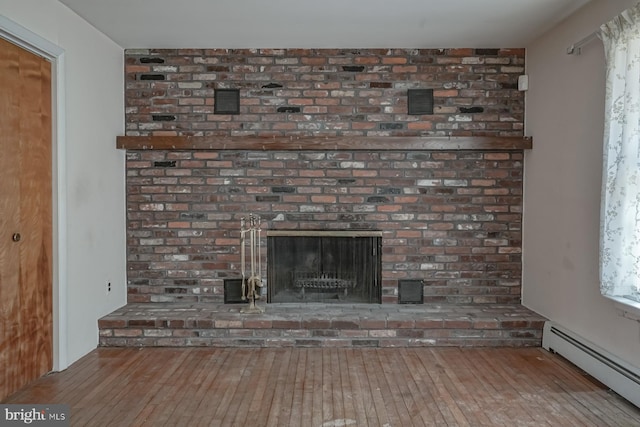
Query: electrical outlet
(108, 287)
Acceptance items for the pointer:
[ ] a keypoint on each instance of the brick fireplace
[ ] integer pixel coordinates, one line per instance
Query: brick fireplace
(449, 214)
(323, 142)
(449, 218)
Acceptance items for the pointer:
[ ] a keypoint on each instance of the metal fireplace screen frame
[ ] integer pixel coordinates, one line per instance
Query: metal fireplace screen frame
(324, 266)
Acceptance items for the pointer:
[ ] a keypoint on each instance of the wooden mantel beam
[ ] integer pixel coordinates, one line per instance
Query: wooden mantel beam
(319, 143)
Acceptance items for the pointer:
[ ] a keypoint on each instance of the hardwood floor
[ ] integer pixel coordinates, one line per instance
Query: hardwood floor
(329, 387)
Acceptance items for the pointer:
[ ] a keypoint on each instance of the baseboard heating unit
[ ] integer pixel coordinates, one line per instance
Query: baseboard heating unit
(618, 375)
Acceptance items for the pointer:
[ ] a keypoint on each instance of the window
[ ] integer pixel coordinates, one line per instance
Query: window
(620, 208)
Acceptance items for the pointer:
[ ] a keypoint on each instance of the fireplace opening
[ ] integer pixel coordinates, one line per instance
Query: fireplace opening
(324, 266)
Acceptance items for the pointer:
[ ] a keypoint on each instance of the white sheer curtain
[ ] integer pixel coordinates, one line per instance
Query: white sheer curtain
(620, 209)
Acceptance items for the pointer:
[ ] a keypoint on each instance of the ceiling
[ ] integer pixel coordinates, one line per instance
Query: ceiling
(323, 23)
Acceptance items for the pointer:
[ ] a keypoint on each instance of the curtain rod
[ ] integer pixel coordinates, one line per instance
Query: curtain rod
(576, 48)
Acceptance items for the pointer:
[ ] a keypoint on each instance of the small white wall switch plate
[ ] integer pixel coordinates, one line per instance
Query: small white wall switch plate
(523, 82)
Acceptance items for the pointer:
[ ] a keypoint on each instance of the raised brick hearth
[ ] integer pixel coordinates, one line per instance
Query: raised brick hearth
(319, 325)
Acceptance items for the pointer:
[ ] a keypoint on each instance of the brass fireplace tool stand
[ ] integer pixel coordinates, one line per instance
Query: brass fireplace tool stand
(251, 285)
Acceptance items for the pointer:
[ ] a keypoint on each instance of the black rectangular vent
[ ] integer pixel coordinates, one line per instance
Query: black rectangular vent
(227, 101)
(233, 291)
(410, 292)
(420, 101)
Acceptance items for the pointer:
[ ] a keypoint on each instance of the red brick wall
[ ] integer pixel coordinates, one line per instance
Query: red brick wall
(330, 91)
(450, 218)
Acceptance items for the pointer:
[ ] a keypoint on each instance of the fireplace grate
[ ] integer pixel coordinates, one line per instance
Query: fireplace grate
(323, 281)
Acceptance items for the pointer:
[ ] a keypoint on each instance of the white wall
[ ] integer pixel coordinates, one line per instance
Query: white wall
(94, 204)
(565, 116)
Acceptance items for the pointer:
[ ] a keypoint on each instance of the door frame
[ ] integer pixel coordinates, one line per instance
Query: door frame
(32, 42)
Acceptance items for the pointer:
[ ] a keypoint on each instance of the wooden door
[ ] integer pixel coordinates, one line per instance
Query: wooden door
(25, 218)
